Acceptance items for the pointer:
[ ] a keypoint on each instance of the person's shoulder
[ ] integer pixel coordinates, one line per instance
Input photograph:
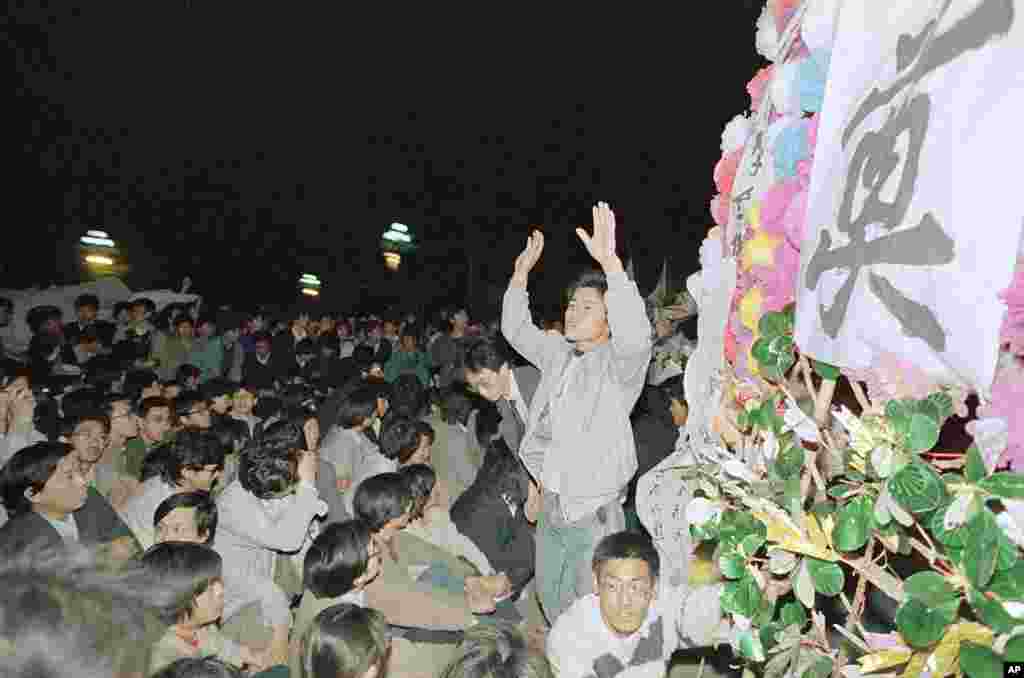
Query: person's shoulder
(572, 624)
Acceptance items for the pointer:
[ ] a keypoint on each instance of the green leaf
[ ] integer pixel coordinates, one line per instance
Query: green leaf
(824, 370)
(982, 544)
(943, 403)
(793, 613)
(949, 538)
(978, 661)
(1007, 553)
(917, 487)
(743, 420)
(774, 323)
(790, 461)
(1014, 649)
(777, 665)
(1004, 484)
(765, 613)
(732, 565)
(750, 647)
(751, 543)
(769, 633)
(975, 467)
(781, 562)
(828, 577)
(741, 597)
(899, 410)
(924, 432)
(853, 524)
(820, 668)
(991, 612)
(921, 625)
(1009, 584)
(762, 350)
(840, 491)
(930, 588)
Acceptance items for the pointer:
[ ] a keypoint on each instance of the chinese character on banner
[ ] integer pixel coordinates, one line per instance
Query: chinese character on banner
(911, 228)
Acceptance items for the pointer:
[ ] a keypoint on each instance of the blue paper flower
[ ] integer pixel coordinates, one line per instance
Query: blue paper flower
(812, 79)
(789, 149)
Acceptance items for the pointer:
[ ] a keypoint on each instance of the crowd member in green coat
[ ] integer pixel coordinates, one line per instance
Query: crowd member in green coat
(408, 359)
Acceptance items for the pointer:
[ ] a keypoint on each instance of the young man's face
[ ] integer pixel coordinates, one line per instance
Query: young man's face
(156, 424)
(489, 384)
(243, 402)
(209, 605)
(221, 404)
(185, 329)
(64, 491)
(586, 317)
(154, 390)
(88, 441)
(390, 329)
(87, 313)
(179, 525)
(203, 479)
(197, 417)
(408, 344)
(123, 421)
(171, 391)
(137, 313)
(625, 588)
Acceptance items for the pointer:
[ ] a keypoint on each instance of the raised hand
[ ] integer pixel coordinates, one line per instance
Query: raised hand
(529, 257)
(601, 245)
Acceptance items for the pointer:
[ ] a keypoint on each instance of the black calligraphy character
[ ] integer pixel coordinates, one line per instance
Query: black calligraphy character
(877, 158)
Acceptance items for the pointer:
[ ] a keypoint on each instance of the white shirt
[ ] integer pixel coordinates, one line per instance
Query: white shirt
(67, 528)
(516, 396)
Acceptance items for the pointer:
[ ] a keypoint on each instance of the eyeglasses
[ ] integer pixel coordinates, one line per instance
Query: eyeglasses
(634, 590)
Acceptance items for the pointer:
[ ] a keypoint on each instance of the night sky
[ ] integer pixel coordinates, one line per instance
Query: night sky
(244, 146)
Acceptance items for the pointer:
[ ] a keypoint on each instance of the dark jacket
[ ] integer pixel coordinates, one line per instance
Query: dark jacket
(483, 516)
(527, 379)
(104, 331)
(97, 524)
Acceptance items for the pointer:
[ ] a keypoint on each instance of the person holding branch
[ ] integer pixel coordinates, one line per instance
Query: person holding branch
(578, 444)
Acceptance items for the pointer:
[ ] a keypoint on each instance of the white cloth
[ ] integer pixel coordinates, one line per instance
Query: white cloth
(67, 528)
(138, 512)
(891, 258)
(443, 533)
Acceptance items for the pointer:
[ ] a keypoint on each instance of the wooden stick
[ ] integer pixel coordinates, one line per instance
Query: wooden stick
(805, 370)
(823, 401)
(862, 399)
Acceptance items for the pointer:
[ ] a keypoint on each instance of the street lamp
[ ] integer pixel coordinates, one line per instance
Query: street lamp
(100, 254)
(310, 285)
(394, 242)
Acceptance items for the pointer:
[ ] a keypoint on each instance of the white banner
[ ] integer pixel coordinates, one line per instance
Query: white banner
(913, 223)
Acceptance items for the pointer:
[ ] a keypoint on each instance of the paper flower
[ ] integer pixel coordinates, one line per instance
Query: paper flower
(758, 85)
(725, 171)
(1012, 330)
(785, 88)
(1008, 403)
(1012, 521)
(817, 30)
(790, 148)
(890, 377)
(992, 436)
(720, 206)
(766, 39)
(813, 75)
(736, 133)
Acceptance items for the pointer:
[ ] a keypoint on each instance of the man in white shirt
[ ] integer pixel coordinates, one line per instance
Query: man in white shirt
(634, 622)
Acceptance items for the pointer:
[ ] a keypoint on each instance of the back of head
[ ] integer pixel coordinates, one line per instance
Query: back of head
(191, 449)
(336, 559)
(268, 471)
(199, 667)
(357, 407)
(421, 480)
(399, 438)
(27, 471)
(486, 354)
(408, 397)
(496, 651)
(345, 641)
(382, 498)
(189, 568)
(456, 406)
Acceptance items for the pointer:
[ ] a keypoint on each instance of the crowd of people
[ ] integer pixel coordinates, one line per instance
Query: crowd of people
(188, 494)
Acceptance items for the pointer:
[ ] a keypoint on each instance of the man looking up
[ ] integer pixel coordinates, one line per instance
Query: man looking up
(578, 442)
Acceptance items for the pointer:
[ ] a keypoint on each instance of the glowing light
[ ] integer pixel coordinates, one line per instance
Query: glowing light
(310, 279)
(392, 260)
(310, 293)
(99, 260)
(395, 236)
(100, 242)
(401, 228)
(97, 234)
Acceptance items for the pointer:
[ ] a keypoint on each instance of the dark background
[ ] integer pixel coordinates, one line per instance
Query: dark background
(246, 143)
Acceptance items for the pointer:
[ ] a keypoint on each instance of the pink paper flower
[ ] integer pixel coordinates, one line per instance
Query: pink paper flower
(725, 171)
(758, 85)
(1012, 330)
(1008, 403)
(720, 206)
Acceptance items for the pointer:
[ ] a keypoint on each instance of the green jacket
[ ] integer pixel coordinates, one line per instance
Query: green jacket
(400, 363)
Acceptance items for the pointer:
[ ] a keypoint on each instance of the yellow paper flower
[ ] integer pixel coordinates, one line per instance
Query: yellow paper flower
(760, 250)
(750, 308)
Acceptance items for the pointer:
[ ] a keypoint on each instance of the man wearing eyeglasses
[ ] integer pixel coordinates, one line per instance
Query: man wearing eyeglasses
(634, 622)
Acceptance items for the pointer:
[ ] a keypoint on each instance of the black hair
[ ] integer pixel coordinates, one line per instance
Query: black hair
(182, 318)
(363, 356)
(409, 397)
(186, 402)
(421, 480)
(305, 346)
(425, 430)
(284, 435)
(268, 407)
(627, 544)
(233, 434)
(136, 380)
(187, 371)
(182, 562)
(485, 354)
(81, 401)
(152, 403)
(29, 468)
(191, 449)
(202, 502)
(83, 300)
(7, 303)
(145, 302)
(399, 439)
(344, 641)
(217, 387)
(69, 424)
(456, 407)
(266, 471)
(357, 407)
(591, 279)
(336, 559)
(382, 498)
(198, 667)
(497, 651)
